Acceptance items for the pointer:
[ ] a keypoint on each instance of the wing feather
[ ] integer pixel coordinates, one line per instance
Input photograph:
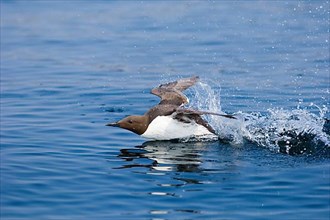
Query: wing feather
(171, 93)
(198, 112)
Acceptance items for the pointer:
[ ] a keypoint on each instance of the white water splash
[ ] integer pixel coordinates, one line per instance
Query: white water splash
(288, 131)
(282, 130)
(205, 98)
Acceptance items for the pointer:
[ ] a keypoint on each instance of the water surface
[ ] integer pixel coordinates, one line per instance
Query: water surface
(68, 68)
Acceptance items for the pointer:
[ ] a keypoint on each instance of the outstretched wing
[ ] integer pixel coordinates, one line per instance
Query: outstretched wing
(181, 84)
(197, 112)
(171, 93)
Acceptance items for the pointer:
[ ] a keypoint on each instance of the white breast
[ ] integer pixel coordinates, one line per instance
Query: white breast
(167, 128)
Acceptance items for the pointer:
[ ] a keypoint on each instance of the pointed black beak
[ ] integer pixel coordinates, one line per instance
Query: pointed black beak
(114, 124)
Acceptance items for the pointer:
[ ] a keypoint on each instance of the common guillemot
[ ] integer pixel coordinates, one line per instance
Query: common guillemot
(169, 120)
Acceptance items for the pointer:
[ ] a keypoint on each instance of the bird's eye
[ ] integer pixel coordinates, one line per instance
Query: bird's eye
(130, 121)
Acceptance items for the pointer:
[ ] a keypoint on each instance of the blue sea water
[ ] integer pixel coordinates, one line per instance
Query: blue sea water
(70, 67)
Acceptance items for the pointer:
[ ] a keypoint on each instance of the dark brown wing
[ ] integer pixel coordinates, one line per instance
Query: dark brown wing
(193, 111)
(181, 84)
(171, 93)
(196, 117)
(183, 113)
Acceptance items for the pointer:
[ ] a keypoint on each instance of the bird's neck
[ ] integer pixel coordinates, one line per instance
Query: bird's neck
(142, 125)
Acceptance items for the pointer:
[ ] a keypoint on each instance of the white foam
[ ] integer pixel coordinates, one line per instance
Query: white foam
(277, 128)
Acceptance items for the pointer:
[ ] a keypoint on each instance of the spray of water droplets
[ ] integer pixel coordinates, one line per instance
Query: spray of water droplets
(294, 131)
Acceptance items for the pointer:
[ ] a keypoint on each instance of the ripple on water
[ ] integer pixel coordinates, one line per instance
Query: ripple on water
(59, 88)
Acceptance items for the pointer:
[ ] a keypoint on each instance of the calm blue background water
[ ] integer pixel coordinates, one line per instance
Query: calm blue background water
(68, 68)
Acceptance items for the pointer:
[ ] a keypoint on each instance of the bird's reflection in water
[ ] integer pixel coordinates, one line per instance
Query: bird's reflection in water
(168, 156)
